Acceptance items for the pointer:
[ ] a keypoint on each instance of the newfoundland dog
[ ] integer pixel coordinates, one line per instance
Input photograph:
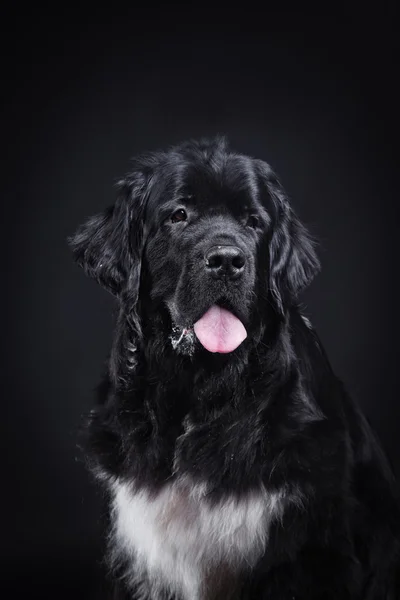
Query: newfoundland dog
(234, 463)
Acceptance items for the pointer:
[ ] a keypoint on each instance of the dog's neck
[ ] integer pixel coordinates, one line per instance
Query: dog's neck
(160, 395)
(146, 352)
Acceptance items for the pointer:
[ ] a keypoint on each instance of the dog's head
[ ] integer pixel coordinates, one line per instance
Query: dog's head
(203, 238)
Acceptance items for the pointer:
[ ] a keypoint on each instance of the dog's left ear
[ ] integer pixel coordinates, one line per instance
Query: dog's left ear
(293, 260)
(108, 245)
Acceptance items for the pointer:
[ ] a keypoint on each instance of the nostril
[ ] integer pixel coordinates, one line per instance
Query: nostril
(214, 261)
(238, 261)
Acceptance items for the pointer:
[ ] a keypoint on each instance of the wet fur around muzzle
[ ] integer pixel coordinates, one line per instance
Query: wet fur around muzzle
(248, 474)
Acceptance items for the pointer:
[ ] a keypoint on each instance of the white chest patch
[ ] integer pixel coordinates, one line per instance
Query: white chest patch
(177, 539)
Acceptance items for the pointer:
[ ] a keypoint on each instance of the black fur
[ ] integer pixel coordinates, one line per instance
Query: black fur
(272, 412)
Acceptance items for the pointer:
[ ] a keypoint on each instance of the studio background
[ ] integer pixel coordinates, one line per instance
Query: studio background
(316, 99)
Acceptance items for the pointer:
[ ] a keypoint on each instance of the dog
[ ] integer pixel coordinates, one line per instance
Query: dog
(234, 463)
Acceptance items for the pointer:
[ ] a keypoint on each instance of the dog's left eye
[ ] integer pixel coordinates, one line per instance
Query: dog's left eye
(178, 216)
(252, 221)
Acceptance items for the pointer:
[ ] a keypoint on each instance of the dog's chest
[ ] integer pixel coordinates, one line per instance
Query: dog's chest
(177, 540)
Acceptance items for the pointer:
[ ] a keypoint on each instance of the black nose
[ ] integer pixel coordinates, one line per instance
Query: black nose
(225, 261)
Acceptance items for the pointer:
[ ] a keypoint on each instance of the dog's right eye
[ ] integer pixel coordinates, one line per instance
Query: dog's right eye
(178, 216)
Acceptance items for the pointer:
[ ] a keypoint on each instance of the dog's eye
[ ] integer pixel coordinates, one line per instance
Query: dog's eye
(252, 221)
(178, 216)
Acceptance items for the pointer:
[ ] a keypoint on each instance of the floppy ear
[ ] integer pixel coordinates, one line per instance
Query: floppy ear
(108, 245)
(293, 260)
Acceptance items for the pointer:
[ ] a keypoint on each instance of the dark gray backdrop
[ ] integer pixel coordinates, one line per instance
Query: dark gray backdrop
(315, 98)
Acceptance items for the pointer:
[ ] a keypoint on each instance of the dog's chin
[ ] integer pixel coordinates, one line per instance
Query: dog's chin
(218, 327)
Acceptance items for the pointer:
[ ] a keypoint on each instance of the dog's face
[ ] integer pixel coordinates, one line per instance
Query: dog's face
(204, 236)
(200, 257)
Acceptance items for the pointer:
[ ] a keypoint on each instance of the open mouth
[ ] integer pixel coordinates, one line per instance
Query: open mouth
(219, 330)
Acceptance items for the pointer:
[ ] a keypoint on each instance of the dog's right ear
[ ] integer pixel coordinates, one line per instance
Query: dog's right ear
(108, 246)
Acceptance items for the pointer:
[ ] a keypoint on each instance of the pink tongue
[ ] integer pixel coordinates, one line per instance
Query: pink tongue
(218, 330)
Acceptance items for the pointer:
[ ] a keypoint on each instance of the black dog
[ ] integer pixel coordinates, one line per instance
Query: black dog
(235, 464)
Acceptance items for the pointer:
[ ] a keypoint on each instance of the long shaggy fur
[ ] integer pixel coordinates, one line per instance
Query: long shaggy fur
(248, 475)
